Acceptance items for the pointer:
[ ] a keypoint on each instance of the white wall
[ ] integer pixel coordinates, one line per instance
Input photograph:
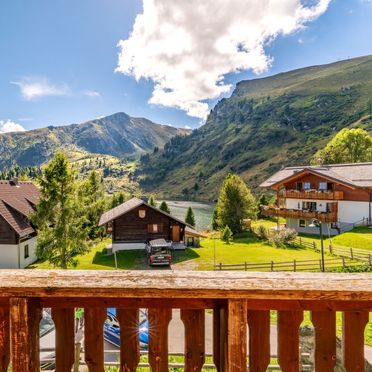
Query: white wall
(9, 254)
(321, 205)
(127, 246)
(352, 211)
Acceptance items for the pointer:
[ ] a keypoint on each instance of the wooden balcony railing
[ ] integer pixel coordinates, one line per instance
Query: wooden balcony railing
(299, 214)
(236, 299)
(314, 194)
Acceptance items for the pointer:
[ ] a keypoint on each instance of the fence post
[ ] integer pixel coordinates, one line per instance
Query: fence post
(220, 266)
(245, 266)
(330, 248)
(272, 265)
(351, 253)
(294, 265)
(370, 259)
(343, 261)
(314, 245)
(300, 241)
(320, 265)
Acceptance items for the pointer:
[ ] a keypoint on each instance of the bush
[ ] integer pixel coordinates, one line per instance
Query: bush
(363, 268)
(282, 237)
(226, 235)
(261, 232)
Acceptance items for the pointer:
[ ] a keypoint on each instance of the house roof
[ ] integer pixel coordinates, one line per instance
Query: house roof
(129, 205)
(354, 175)
(17, 201)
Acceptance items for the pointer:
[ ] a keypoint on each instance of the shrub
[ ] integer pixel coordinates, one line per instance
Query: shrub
(282, 237)
(226, 235)
(261, 232)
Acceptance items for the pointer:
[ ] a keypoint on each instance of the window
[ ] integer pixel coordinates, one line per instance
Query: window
(310, 206)
(301, 223)
(155, 228)
(25, 251)
(142, 213)
(330, 186)
(323, 186)
(307, 186)
(299, 186)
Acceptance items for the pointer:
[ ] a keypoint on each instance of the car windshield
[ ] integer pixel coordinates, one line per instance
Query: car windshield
(46, 324)
(159, 250)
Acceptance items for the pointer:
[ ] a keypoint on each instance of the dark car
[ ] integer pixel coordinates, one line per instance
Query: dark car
(111, 329)
(158, 252)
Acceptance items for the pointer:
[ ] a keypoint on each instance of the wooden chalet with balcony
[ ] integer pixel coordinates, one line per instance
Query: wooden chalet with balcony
(135, 222)
(339, 195)
(17, 235)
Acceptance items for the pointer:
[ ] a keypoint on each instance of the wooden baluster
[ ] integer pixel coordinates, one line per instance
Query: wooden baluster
(159, 319)
(93, 334)
(325, 340)
(259, 340)
(194, 321)
(288, 340)
(64, 321)
(236, 335)
(354, 323)
(129, 339)
(4, 338)
(217, 339)
(25, 316)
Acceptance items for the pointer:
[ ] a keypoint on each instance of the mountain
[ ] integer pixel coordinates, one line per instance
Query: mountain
(265, 124)
(117, 135)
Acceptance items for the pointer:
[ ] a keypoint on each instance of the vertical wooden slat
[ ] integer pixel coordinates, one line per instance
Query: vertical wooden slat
(259, 340)
(64, 321)
(93, 334)
(354, 323)
(288, 340)
(194, 321)
(325, 340)
(129, 339)
(25, 316)
(159, 319)
(4, 338)
(236, 335)
(217, 339)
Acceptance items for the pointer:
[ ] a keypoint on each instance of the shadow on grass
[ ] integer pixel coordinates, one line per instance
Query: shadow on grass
(186, 255)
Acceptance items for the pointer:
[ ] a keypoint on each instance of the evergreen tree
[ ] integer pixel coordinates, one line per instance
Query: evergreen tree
(92, 194)
(59, 216)
(117, 199)
(190, 217)
(215, 220)
(164, 207)
(152, 201)
(235, 203)
(226, 235)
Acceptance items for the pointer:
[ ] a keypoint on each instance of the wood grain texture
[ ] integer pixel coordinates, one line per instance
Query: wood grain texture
(288, 340)
(217, 338)
(4, 338)
(25, 316)
(259, 340)
(236, 336)
(129, 339)
(194, 321)
(354, 323)
(158, 338)
(186, 284)
(325, 340)
(93, 334)
(64, 321)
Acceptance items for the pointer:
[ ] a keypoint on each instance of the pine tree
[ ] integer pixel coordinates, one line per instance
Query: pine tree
(226, 235)
(215, 220)
(59, 215)
(164, 207)
(152, 201)
(235, 203)
(190, 217)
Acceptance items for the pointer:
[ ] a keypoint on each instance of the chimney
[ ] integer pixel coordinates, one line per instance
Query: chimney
(14, 181)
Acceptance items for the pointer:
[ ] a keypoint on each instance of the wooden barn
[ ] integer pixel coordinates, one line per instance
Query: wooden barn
(135, 222)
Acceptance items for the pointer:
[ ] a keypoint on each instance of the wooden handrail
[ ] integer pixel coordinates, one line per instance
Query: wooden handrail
(314, 194)
(237, 298)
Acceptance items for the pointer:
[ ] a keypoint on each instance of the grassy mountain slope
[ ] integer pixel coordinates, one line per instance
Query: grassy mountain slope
(117, 135)
(266, 123)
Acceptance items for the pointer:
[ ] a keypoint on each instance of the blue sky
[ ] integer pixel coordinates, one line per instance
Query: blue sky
(66, 51)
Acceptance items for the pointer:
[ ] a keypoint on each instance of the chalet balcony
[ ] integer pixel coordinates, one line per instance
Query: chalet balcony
(237, 300)
(314, 194)
(299, 214)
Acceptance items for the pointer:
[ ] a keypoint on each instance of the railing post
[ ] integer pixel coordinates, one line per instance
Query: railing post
(4, 338)
(25, 316)
(325, 340)
(194, 321)
(288, 340)
(129, 339)
(93, 334)
(294, 265)
(159, 319)
(259, 340)
(64, 321)
(236, 335)
(354, 323)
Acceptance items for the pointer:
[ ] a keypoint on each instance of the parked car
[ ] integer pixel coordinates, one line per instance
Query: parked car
(47, 341)
(111, 328)
(158, 252)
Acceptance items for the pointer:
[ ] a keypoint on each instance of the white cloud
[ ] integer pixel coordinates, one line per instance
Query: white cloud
(186, 47)
(10, 126)
(92, 94)
(33, 88)
(187, 127)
